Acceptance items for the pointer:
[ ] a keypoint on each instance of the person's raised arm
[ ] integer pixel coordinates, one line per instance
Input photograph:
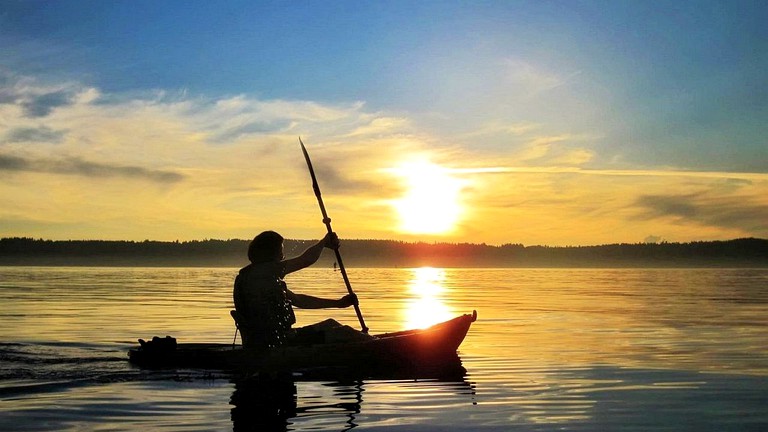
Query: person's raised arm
(311, 254)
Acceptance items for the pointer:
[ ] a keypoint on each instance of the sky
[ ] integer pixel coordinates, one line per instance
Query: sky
(534, 122)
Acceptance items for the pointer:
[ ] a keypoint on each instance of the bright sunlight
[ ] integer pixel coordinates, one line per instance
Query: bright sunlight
(431, 202)
(427, 307)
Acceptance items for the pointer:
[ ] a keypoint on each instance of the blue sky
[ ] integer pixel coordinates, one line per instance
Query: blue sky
(536, 87)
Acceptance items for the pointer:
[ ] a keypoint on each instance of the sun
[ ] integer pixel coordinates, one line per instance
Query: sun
(431, 204)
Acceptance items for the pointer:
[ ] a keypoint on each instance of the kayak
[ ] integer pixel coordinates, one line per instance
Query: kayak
(432, 346)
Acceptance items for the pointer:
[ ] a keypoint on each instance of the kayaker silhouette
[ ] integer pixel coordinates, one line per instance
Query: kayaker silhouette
(264, 304)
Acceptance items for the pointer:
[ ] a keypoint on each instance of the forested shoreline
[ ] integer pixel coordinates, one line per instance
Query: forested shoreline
(746, 252)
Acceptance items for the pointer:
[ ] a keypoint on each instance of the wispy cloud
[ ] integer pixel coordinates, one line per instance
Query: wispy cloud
(80, 167)
(734, 178)
(381, 126)
(43, 104)
(34, 99)
(706, 209)
(253, 128)
(533, 79)
(41, 134)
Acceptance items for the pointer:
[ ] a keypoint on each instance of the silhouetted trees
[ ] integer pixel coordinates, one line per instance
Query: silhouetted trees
(747, 252)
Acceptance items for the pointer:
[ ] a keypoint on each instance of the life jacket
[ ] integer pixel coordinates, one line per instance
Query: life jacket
(260, 296)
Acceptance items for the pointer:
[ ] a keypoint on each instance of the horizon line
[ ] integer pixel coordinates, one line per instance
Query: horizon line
(661, 242)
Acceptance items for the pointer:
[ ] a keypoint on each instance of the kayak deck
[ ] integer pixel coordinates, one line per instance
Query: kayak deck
(434, 345)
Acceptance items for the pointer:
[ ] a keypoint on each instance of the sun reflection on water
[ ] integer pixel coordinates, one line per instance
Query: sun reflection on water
(426, 306)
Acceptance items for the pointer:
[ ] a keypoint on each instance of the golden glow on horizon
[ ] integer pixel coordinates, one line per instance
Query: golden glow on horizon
(431, 202)
(426, 307)
(192, 188)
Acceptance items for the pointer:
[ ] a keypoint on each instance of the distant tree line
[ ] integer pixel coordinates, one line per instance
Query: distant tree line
(747, 252)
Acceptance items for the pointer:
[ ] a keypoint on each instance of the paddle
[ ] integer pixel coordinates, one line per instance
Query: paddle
(327, 222)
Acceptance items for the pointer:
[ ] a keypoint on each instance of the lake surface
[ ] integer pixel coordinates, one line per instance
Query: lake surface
(552, 349)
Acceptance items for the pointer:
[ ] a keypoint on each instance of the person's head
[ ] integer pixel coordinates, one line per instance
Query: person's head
(265, 247)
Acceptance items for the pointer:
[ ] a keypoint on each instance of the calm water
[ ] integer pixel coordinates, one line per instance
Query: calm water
(553, 349)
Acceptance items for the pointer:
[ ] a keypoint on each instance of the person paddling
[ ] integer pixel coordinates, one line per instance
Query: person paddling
(264, 304)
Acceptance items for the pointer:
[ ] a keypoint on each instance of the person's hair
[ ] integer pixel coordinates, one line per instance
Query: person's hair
(264, 247)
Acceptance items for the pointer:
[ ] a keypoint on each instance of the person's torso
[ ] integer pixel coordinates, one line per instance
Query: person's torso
(261, 298)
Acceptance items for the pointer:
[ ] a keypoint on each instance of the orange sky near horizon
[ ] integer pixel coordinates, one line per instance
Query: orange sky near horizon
(394, 187)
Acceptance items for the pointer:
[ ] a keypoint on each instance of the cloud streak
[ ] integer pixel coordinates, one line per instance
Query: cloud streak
(42, 134)
(35, 100)
(734, 177)
(702, 208)
(80, 167)
(42, 105)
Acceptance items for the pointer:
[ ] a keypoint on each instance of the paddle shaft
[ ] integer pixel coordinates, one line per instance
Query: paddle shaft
(327, 222)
